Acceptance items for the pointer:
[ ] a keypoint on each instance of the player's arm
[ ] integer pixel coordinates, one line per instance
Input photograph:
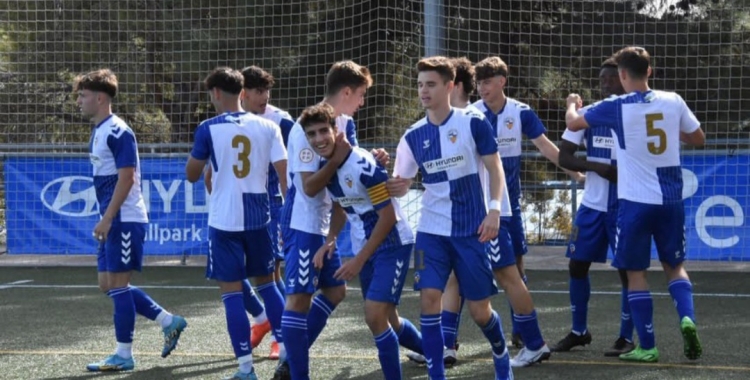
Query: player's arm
(279, 158)
(404, 170)
(196, 163)
(338, 220)
(489, 227)
(573, 120)
(124, 151)
(314, 182)
(125, 181)
(280, 167)
(697, 138)
(550, 151)
(533, 128)
(690, 128)
(569, 161)
(207, 174)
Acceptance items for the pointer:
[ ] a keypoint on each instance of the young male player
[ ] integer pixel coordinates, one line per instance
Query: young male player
(306, 219)
(648, 126)
(595, 221)
(384, 250)
(121, 230)
(510, 119)
(254, 98)
(451, 148)
(239, 147)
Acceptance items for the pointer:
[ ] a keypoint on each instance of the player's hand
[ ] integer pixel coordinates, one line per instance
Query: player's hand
(397, 187)
(349, 269)
(578, 177)
(323, 253)
(575, 99)
(381, 156)
(342, 148)
(488, 229)
(102, 229)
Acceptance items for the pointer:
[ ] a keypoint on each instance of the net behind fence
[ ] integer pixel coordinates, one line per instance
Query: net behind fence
(162, 50)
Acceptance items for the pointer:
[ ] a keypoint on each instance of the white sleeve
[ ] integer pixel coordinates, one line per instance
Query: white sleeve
(406, 166)
(688, 122)
(574, 137)
(278, 152)
(302, 158)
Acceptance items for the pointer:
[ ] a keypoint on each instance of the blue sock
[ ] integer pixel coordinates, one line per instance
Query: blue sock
(528, 326)
(642, 311)
(319, 312)
(144, 305)
(294, 330)
(282, 288)
(682, 294)
(124, 315)
(450, 328)
(252, 303)
(238, 325)
(409, 336)
(432, 345)
(390, 362)
(580, 292)
(493, 331)
(274, 307)
(626, 322)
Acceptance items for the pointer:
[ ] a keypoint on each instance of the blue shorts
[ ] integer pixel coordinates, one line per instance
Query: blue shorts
(436, 256)
(593, 233)
(383, 275)
(500, 249)
(517, 232)
(123, 249)
(638, 223)
(274, 228)
(299, 272)
(237, 255)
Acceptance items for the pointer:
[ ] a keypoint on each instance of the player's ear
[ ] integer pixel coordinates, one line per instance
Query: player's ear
(503, 81)
(623, 74)
(648, 72)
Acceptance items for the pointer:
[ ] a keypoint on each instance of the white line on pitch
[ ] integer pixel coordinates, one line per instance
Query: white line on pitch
(14, 283)
(21, 284)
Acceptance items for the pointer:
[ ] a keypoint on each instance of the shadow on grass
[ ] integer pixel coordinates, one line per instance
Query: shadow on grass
(207, 369)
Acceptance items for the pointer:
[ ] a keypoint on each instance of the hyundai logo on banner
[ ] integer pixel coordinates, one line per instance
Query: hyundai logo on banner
(71, 196)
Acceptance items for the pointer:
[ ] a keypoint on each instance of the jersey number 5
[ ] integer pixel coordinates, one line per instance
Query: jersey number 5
(242, 167)
(653, 131)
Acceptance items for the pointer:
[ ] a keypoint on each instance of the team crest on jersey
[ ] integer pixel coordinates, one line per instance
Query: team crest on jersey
(349, 181)
(306, 155)
(509, 122)
(453, 135)
(315, 281)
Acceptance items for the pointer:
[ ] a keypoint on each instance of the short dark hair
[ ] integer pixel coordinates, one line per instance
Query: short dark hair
(635, 60)
(490, 67)
(255, 77)
(102, 80)
(347, 74)
(225, 79)
(464, 74)
(319, 113)
(609, 63)
(439, 64)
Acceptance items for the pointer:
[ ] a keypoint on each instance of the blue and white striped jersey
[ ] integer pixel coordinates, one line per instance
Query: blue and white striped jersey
(599, 194)
(300, 212)
(240, 146)
(648, 149)
(513, 121)
(359, 187)
(449, 158)
(112, 147)
(285, 122)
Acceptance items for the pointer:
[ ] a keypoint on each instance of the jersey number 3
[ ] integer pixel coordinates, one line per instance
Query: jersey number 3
(653, 131)
(242, 167)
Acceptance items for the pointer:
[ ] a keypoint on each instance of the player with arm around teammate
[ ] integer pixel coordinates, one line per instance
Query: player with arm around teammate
(239, 147)
(595, 222)
(648, 126)
(451, 148)
(121, 231)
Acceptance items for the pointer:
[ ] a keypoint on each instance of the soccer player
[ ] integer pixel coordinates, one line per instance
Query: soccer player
(257, 92)
(648, 126)
(385, 238)
(595, 221)
(121, 230)
(305, 223)
(451, 147)
(506, 252)
(239, 147)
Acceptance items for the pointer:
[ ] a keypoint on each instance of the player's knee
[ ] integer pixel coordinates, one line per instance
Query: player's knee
(335, 294)
(298, 302)
(261, 280)
(480, 311)
(508, 277)
(376, 316)
(579, 269)
(430, 301)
